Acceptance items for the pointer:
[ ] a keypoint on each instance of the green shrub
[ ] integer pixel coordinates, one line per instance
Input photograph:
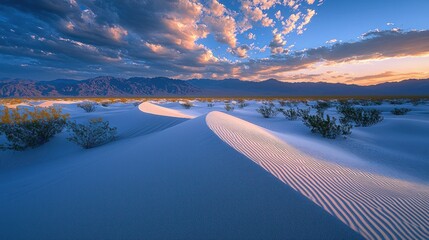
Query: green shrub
(267, 110)
(359, 116)
(400, 111)
(87, 106)
(327, 127)
(29, 129)
(242, 104)
(229, 107)
(187, 104)
(94, 134)
(290, 114)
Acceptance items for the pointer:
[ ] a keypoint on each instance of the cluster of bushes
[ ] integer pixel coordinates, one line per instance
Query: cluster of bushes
(25, 129)
(400, 111)
(294, 113)
(267, 110)
(326, 126)
(29, 129)
(96, 133)
(87, 106)
(360, 117)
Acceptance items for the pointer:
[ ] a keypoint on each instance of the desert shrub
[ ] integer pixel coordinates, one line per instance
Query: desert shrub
(359, 116)
(267, 110)
(87, 106)
(105, 104)
(397, 101)
(242, 104)
(229, 107)
(303, 112)
(321, 106)
(290, 114)
(187, 104)
(97, 132)
(327, 127)
(400, 111)
(29, 129)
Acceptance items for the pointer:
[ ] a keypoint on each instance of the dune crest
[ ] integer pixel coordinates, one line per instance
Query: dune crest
(375, 206)
(151, 108)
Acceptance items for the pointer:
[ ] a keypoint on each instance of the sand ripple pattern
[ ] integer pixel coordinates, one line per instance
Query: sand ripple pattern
(375, 206)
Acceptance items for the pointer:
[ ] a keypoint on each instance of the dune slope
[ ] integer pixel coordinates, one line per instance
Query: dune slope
(179, 183)
(375, 206)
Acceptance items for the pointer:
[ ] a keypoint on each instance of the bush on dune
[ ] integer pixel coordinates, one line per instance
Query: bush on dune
(400, 111)
(359, 116)
(242, 104)
(187, 104)
(29, 129)
(96, 133)
(229, 107)
(327, 127)
(267, 110)
(87, 106)
(290, 114)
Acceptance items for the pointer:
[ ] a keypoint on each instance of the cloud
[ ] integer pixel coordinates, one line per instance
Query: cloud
(101, 37)
(310, 14)
(331, 41)
(290, 23)
(240, 51)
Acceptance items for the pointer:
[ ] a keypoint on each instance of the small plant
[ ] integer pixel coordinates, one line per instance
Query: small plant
(400, 111)
(229, 107)
(360, 116)
(242, 104)
(290, 114)
(105, 104)
(397, 101)
(94, 134)
(29, 129)
(87, 106)
(303, 112)
(267, 110)
(210, 104)
(327, 127)
(187, 104)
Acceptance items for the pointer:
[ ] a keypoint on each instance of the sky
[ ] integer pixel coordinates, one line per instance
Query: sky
(361, 42)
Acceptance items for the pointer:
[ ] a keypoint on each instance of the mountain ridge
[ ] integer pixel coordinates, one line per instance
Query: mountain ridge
(109, 86)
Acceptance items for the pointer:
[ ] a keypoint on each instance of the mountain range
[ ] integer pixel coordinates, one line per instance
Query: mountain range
(107, 86)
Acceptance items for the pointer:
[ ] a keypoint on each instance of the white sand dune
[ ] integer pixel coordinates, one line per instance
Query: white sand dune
(375, 206)
(151, 108)
(180, 183)
(53, 103)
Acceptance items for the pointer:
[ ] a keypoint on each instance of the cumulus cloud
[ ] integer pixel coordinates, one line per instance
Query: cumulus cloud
(310, 14)
(98, 37)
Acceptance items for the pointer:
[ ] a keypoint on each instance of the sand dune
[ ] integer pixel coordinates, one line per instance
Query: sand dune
(151, 108)
(180, 183)
(52, 103)
(375, 206)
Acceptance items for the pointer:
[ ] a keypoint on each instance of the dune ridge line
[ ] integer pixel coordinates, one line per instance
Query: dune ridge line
(375, 206)
(151, 108)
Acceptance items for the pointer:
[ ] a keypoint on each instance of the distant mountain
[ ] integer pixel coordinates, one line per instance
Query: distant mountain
(160, 86)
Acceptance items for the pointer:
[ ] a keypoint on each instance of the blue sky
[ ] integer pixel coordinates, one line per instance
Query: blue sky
(362, 42)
